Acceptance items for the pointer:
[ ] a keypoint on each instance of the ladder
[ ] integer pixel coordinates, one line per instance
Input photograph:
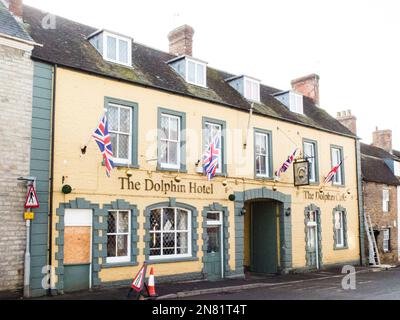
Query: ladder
(374, 258)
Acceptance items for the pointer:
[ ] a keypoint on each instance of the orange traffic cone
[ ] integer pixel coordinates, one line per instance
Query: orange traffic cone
(151, 285)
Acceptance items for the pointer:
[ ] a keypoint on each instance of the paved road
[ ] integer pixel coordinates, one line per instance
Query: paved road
(383, 285)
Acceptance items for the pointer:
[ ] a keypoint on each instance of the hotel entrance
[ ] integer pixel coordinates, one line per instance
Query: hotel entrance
(262, 235)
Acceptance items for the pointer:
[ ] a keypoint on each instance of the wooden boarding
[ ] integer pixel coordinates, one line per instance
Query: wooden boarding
(77, 245)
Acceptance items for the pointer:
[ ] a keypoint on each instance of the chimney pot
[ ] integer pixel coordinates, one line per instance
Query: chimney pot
(16, 8)
(382, 139)
(181, 41)
(308, 86)
(348, 120)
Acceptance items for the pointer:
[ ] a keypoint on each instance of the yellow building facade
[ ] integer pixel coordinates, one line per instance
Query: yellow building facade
(215, 225)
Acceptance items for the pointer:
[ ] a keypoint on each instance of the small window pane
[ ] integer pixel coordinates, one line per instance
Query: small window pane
(113, 118)
(155, 220)
(173, 152)
(191, 71)
(111, 246)
(163, 151)
(200, 75)
(169, 219)
(111, 48)
(182, 242)
(112, 222)
(123, 147)
(164, 127)
(174, 124)
(123, 51)
(169, 243)
(213, 243)
(182, 220)
(123, 223)
(114, 143)
(213, 216)
(125, 120)
(122, 245)
(155, 242)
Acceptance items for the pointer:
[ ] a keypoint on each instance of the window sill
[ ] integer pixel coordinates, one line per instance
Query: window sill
(340, 248)
(263, 178)
(119, 264)
(171, 170)
(171, 260)
(123, 165)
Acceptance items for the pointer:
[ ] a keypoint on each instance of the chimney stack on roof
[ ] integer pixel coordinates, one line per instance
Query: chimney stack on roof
(308, 86)
(181, 41)
(348, 120)
(15, 7)
(382, 139)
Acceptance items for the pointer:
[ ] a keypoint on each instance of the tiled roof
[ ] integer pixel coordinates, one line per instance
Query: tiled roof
(67, 46)
(10, 27)
(374, 168)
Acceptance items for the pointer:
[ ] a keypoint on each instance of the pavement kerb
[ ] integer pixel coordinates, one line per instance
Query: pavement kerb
(185, 294)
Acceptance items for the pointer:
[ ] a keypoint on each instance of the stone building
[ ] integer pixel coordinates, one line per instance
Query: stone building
(16, 77)
(381, 188)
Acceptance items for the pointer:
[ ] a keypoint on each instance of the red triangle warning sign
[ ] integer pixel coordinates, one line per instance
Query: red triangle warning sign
(138, 282)
(32, 201)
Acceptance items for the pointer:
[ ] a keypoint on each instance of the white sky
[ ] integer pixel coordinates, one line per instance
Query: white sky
(352, 44)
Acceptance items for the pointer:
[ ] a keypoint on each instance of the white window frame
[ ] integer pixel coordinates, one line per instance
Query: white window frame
(397, 168)
(115, 158)
(252, 96)
(126, 258)
(312, 161)
(386, 240)
(219, 169)
(189, 231)
(385, 200)
(267, 156)
(167, 165)
(338, 178)
(118, 38)
(296, 103)
(197, 64)
(341, 230)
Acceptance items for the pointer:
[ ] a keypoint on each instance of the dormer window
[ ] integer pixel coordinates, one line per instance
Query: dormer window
(252, 89)
(113, 47)
(192, 70)
(248, 87)
(293, 101)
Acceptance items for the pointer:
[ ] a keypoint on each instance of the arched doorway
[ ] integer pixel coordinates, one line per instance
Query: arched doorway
(263, 231)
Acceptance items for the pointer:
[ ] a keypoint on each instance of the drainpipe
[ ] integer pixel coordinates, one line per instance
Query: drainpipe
(361, 225)
(52, 181)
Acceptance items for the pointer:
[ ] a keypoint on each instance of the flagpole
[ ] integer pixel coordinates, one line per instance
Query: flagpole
(85, 146)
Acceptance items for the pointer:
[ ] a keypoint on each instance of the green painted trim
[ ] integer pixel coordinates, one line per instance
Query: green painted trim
(225, 235)
(172, 203)
(270, 156)
(119, 265)
(223, 142)
(344, 211)
(182, 116)
(363, 257)
(120, 204)
(315, 143)
(332, 146)
(285, 227)
(161, 261)
(135, 126)
(40, 156)
(313, 207)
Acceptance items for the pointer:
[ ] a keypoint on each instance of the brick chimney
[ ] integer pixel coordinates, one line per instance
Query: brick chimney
(348, 120)
(308, 86)
(15, 7)
(181, 41)
(382, 139)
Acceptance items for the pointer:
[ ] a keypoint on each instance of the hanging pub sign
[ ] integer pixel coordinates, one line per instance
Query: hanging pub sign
(301, 173)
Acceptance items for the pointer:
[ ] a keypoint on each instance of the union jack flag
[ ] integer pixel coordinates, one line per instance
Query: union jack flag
(211, 158)
(102, 137)
(332, 173)
(286, 164)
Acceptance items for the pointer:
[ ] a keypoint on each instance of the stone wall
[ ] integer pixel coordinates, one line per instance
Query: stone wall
(16, 72)
(382, 220)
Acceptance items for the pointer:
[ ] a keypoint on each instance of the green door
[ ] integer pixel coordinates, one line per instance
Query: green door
(76, 277)
(212, 257)
(264, 247)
